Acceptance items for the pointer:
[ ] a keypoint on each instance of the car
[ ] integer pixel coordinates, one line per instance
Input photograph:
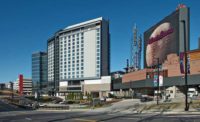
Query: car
(63, 102)
(145, 98)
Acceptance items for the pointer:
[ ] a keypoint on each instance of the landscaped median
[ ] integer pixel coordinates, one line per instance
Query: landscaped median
(194, 106)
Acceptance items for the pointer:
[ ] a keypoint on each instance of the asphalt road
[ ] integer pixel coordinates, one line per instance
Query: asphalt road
(7, 107)
(39, 116)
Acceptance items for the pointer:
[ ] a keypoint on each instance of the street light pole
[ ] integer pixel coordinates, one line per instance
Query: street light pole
(12, 94)
(158, 73)
(186, 82)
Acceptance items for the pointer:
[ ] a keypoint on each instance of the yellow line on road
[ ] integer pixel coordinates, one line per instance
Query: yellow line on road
(85, 120)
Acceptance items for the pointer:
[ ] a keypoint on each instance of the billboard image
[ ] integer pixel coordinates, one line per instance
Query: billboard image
(161, 40)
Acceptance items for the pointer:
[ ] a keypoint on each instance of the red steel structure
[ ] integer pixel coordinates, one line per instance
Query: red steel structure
(20, 84)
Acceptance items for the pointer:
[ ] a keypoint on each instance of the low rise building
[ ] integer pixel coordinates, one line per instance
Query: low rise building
(25, 88)
(143, 81)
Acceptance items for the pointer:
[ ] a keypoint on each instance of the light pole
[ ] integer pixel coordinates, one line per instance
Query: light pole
(11, 86)
(186, 82)
(158, 73)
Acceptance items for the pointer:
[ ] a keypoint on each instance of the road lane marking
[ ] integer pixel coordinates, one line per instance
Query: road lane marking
(84, 120)
(28, 118)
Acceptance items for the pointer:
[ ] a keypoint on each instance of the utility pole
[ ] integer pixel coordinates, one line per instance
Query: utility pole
(186, 82)
(158, 73)
(11, 86)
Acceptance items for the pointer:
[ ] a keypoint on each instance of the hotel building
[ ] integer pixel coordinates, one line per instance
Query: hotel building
(78, 54)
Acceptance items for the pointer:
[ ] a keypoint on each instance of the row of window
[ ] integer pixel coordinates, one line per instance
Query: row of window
(73, 36)
(98, 52)
(69, 77)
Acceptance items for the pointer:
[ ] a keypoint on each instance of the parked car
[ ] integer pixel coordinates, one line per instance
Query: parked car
(145, 98)
(63, 102)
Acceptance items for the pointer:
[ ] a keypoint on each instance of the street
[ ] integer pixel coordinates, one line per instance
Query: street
(70, 116)
(8, 107)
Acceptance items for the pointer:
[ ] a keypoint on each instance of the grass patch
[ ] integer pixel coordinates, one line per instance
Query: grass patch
(161, 106)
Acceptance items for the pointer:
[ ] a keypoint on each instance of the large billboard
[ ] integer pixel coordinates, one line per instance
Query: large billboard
(161, 40)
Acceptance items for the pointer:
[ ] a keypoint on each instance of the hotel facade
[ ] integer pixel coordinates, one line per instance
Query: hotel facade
(79, 58)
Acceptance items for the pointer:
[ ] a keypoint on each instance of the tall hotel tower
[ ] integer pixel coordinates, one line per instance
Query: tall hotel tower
(77, 54)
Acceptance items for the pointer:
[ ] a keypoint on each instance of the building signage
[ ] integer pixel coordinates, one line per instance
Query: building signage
(182, 55)
(160, 80)
(160, 36)
(162, 40)
(181, 63)
(155, 80)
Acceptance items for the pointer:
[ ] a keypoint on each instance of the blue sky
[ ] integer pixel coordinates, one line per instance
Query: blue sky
(25, 26)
